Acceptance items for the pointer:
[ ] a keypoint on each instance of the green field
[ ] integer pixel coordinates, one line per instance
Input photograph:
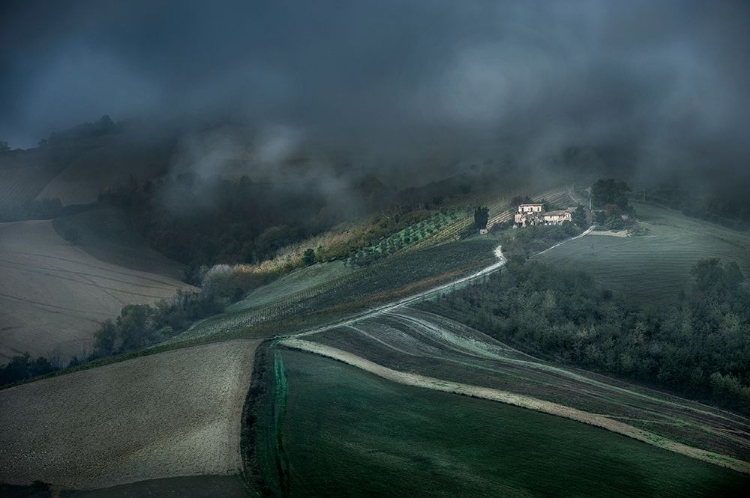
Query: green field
(339, 293)
(654, 267)
(344, 432)
(418, 342)
(291, 285)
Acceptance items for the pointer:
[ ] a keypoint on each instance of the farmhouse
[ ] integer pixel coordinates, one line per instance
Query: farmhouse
(530, 208)
(533, 214)
(557, 217)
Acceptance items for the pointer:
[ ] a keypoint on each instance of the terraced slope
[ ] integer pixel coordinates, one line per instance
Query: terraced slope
(53, 295)
(653, 268)
(166, 415)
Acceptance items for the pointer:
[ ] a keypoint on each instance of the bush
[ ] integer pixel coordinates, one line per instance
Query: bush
(308, 258)
(72, 235)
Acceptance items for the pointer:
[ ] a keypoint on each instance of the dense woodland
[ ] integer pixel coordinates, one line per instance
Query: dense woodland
(700, 346)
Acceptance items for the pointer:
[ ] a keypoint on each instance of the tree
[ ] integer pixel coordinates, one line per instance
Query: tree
(481, 217)
(609, 191)
(4, 146)
(579, 217)
(308, 257)
(134, 326)
(105, 339)
(711, 274)
(103, 126)
(72, 235)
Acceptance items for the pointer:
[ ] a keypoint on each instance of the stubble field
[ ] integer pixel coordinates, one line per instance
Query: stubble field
(53, 294)
(167, 415)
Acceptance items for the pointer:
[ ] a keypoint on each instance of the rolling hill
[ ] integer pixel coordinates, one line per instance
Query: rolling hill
(54, 294)
(329, 429)
(76, 171)
(167, 415)
(655, 266)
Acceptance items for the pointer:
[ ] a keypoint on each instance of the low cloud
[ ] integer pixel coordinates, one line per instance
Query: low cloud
(394, 82)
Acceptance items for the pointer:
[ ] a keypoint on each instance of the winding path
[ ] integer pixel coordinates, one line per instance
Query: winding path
(510, 398)
(519, 400)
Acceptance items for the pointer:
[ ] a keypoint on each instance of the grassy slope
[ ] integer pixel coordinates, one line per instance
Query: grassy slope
(385, 281)
(300, 281)
(653, 268)
(166, 415)
(324, 293)
(348, 433)
(413, 341)
(77, 170)
(54, 294)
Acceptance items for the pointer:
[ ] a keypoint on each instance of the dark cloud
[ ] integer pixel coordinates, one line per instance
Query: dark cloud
(407, 78)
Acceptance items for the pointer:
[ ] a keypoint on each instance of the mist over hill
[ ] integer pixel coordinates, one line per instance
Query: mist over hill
(649, 89)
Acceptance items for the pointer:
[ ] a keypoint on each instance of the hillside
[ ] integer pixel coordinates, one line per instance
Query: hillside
(77, 170)
(427, 350)
(114, 160)
(168, 415)
(105, 234)
(655, 266)
(53, 294)
(406, 369)
(377, 437)
(24, 174)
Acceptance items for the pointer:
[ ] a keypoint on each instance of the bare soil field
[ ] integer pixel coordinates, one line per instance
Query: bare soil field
(168, 415)
(53, 294)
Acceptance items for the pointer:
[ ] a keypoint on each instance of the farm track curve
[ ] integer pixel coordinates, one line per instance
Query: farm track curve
(611, 423)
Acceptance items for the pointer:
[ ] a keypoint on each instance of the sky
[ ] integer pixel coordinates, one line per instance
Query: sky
(669, 79)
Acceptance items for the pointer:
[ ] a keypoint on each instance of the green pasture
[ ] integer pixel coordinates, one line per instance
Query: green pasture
(291, 285)
(345, 432)
(460, 354)
(653, 267)
(340, 292)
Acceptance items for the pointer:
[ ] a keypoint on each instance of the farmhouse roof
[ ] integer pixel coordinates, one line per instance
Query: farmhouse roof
(531, 204)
